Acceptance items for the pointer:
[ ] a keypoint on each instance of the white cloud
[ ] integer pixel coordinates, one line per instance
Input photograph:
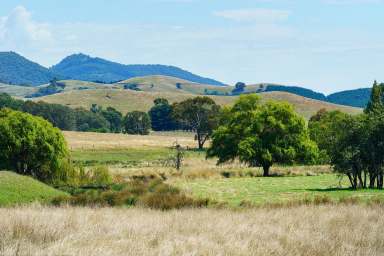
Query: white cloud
(19, 29)
(259, 15)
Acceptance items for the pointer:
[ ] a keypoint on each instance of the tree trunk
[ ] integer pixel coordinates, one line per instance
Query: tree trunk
(372, 179)
(365, 179)
(380, 181)
(266, 170)
(200, 140)
(351, 180)
(361, 183)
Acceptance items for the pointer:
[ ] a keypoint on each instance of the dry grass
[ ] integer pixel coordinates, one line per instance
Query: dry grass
(128, 100)
(303, 230)
(90, 140)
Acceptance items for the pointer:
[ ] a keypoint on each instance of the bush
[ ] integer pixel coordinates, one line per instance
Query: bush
(32, 146)
(153, 194)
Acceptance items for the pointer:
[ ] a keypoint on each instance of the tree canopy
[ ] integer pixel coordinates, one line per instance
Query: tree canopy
(32, 146)
(262, 134)
(137, 122)
(200, 115)
(325, 128)
(161, 115)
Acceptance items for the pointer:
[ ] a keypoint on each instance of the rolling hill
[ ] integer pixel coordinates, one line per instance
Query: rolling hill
(130, 100)
(86, 68)
(15, 69)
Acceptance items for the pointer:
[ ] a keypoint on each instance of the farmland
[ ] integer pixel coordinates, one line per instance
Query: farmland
(302, 210)
(232, 184)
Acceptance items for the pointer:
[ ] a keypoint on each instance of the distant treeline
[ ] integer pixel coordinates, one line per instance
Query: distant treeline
(97, 119)
(60, 116)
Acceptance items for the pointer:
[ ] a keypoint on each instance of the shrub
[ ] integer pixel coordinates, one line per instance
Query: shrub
(100, 176)
(154, 194)
(30, 145)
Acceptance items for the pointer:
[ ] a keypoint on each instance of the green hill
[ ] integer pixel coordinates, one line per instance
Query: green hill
(16, 189)
(86, 68)
(356, 98)
(15, 69)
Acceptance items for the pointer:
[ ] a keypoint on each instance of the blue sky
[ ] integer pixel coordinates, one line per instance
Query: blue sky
(325, 45)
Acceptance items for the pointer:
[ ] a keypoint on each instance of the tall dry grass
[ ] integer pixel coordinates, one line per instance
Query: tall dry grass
(304, 230)
(92, 140)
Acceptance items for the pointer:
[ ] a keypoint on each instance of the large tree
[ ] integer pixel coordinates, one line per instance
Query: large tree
(114, 117)
(325, 127)
(161, 115)
(30, 145)
(199, 114)
(137, 122)
(262, 135)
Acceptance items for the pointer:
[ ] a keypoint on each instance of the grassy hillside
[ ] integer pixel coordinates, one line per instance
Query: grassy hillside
(129, 100)
(16, 189)
(17, 91)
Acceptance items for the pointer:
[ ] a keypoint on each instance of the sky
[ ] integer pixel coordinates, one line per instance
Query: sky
(324, 45)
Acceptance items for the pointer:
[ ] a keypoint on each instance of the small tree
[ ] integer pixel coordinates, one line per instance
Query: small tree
(137, 122)
(376, 102)
(199, 114)
(179, 157)
(261, 135)
(30, 145)
(239, 88)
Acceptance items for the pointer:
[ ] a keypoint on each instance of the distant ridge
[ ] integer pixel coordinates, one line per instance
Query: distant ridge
(355, 98)
(86, 68)
(15, 69)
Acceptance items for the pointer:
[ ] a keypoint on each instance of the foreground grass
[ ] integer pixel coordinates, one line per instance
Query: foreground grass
(304, 230)
(260, 190)
(17, 189)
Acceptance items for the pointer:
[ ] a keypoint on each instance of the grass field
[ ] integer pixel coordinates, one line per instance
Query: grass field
(90, 140)
(304, 230)
(261, 190)
(17, 189)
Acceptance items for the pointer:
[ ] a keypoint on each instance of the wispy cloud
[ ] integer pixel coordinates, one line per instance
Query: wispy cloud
(348, 2)
(259, 15)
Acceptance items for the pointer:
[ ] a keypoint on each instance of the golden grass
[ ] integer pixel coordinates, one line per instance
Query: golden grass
(303, 230)
(128, 100)
(91, 140)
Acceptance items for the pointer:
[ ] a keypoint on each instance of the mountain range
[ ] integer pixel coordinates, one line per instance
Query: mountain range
(17, 70)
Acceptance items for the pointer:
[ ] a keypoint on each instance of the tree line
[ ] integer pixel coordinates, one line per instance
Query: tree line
(197, 115)
(353, 145)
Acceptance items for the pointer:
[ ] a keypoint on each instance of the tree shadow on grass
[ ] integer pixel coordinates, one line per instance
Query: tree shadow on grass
(329, 189)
